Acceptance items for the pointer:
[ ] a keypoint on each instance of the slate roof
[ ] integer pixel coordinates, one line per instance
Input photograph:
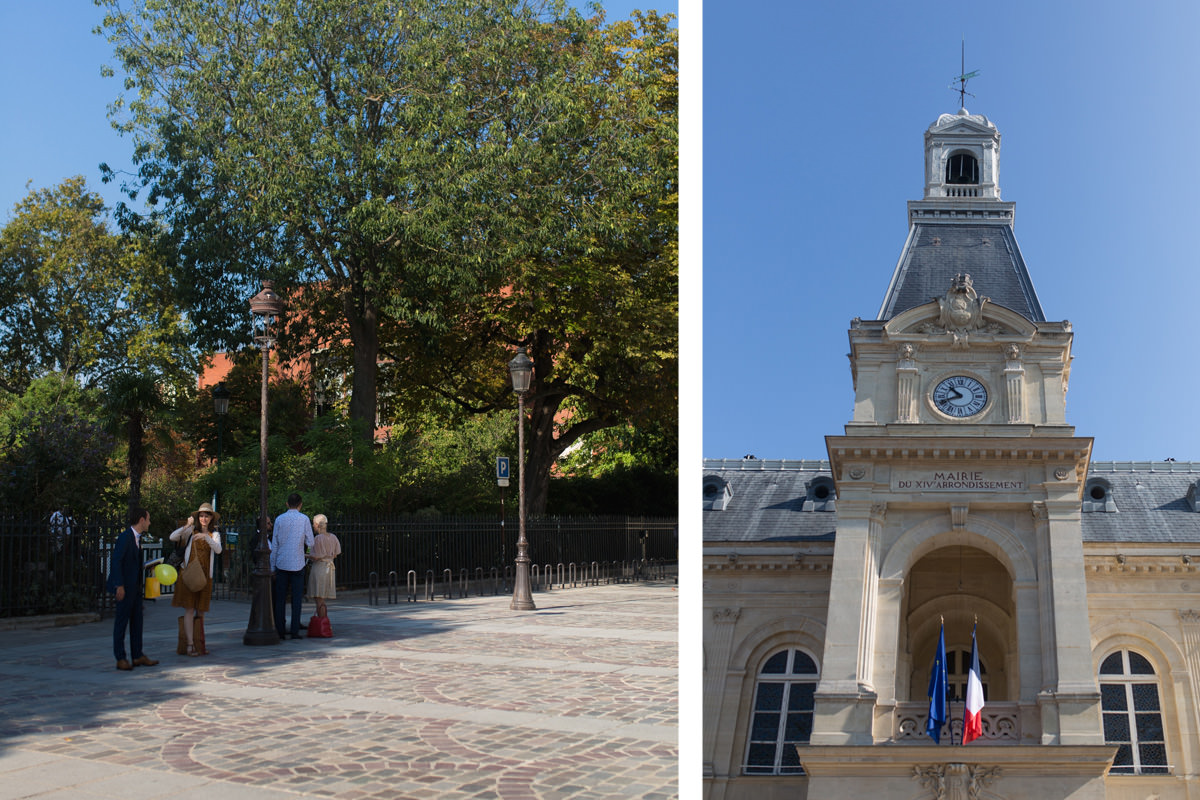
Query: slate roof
(935, 253)
(767, 498)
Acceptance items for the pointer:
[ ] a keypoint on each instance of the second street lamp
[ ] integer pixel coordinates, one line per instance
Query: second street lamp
(266, 308)
(521, 370)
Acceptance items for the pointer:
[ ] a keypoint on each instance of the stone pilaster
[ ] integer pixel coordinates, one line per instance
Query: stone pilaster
(719, 645)
(907, 386)
(845, 699)
(1014, 384)
(1075, 695)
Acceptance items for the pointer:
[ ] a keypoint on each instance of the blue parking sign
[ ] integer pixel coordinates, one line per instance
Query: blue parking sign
(502, 467)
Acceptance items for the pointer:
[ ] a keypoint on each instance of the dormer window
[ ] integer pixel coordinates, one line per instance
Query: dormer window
(717, 493)
(1098, 496)
(962, 168)
(822, 494)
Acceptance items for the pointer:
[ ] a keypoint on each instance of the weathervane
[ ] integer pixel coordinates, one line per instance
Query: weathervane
(963, 77)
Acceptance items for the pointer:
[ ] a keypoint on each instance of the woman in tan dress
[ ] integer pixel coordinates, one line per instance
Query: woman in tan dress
(202, 542)
(322, 579)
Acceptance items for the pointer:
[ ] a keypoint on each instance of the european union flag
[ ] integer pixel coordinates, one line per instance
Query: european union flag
(937, 691)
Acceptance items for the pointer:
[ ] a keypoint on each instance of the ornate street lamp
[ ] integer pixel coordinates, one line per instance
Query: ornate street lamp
(521, 370)
(266, 308)
(220, 396)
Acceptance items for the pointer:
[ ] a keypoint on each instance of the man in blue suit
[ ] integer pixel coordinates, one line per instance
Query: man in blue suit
(125, 580)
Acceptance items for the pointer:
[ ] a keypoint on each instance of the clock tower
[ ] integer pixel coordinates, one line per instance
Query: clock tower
(958, 478)
(956, 505)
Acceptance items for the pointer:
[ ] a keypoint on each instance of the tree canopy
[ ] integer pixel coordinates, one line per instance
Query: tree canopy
(79, 300)
(435, 181)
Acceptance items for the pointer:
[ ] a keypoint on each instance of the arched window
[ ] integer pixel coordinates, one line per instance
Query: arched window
(958, 667)
(1132, 714)
(783, 714)
(962, 168)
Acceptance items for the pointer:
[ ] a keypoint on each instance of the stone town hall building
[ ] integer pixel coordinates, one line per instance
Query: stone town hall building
(958, 491)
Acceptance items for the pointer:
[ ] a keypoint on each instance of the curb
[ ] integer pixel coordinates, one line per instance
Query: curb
(48, 621)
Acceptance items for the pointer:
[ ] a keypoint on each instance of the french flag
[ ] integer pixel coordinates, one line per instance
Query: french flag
(973, 719)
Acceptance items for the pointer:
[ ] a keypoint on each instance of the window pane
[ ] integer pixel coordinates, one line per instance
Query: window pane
(1149, 727)
(799, 728)
(1112, 665)
(770, 697)
(765, 728)
(1112, 697)
(1116, 728)
(1145, 697)
(951, 660)
(803, 665)
(1138, 665)
(776, 664)
(761, 755)
(801, 697)
(1124, 758)
(789, 757)
(1152, 755)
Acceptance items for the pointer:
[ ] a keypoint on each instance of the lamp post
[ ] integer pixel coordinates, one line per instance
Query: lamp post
(265, 308)
(521, 370)
(220, 396)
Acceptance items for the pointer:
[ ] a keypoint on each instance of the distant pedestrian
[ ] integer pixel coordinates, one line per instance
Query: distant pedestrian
(292, 539)
(202, 543)
(322, 581)
(125, 581)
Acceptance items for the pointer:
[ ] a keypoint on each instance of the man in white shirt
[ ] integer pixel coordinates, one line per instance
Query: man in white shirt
(293, 535)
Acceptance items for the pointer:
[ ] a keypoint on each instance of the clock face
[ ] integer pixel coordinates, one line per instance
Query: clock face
(960, 396)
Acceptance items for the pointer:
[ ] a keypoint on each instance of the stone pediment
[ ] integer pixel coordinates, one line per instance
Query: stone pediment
(960, 315)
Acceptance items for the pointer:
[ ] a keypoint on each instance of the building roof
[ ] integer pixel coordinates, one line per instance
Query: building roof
(936, 252)
(767, 499)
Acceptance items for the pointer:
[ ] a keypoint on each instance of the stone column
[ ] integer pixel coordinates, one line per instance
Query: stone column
(718, 646)
(845, 699)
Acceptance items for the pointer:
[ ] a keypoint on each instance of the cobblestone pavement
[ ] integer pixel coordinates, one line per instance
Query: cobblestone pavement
(432, 701)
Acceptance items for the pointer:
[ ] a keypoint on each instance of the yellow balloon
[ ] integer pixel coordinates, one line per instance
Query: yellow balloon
(166, 574)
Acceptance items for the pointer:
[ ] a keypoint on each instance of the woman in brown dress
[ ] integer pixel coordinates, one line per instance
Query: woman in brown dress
(202, 543)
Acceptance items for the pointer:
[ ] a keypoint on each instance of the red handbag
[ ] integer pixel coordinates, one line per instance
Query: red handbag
(319, 628)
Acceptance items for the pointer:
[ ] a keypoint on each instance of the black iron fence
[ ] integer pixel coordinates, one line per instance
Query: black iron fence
(56, 566)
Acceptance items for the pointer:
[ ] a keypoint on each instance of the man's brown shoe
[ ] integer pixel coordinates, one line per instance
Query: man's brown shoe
(123, 664)
(144, 661)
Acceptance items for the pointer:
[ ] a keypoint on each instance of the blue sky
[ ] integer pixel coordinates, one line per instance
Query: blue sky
(55, 124)
(814, 114)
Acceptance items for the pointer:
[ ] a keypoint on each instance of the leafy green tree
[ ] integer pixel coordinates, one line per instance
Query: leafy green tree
(599, 314)
(132, 402)
(79, 300)
(419, 168)
(54, 452)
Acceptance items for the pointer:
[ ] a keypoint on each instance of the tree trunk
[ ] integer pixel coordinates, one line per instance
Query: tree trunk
(363, 320)
(137, 457)
(540, 456)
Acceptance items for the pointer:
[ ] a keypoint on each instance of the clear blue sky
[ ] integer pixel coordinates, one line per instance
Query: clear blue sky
(55, 123)
(814, 114)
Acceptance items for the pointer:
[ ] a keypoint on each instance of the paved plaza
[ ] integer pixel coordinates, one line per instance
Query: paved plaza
(439, 700)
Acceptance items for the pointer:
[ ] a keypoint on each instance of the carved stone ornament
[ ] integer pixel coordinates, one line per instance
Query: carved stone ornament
(961, 312)
(857, 473)
(955, 781)
(962, 307)
(1061, 473)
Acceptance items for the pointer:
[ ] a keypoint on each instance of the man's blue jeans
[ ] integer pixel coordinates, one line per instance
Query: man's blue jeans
(284, 580)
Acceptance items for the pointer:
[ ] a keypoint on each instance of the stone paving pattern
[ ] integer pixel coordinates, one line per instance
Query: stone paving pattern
(451, 699)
